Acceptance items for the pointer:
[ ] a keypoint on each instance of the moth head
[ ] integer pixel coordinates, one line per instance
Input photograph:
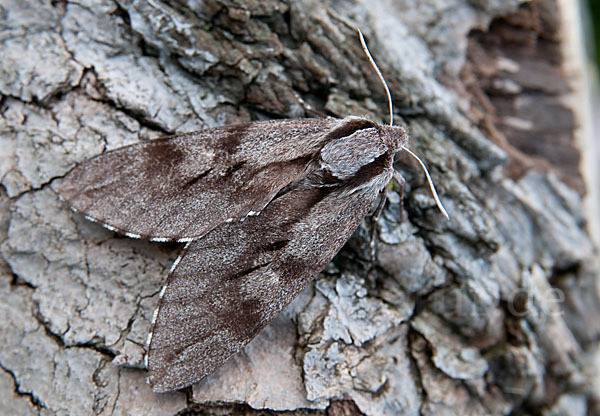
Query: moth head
(395, 137)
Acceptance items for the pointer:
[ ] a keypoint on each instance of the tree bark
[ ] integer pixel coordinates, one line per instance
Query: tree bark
(492, 312)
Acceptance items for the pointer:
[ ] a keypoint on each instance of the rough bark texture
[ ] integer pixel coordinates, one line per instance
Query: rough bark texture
(493, 312)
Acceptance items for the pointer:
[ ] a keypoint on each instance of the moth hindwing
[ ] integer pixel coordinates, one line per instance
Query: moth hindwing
(264, 207)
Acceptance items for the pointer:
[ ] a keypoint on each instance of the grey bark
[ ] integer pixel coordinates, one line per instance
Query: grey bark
(495, 311)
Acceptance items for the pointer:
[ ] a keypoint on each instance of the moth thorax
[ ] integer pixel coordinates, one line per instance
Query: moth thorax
(344, 157)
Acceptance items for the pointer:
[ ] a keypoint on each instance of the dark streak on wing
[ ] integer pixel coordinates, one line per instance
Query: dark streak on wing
(190, 183)
(234, 168)
(301, 205)
(247, 271)
(275, 245)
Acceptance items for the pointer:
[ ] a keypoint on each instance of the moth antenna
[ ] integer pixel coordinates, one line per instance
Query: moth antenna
(379, 74)
(389, 96)
(430, 181)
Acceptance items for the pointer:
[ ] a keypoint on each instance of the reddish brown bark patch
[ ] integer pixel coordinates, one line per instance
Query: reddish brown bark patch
(514, 79)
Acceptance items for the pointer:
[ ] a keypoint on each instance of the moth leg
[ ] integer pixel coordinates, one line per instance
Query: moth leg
(374, 219)
(401, 185)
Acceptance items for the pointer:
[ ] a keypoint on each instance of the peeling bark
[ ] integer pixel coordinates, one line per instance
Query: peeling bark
(493, 312)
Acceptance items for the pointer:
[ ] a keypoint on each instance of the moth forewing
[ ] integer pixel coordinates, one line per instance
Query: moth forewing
(179, 188)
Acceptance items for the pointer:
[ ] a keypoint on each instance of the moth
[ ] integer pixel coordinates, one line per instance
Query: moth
(262, 208)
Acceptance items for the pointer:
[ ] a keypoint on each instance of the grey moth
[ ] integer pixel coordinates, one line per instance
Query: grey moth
(262, 208)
